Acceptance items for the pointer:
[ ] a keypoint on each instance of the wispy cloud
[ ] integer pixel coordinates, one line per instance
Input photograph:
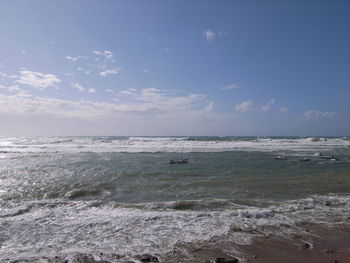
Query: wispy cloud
(110, 71)
(283, 109)
(244, 106)
(91, 90)
(222, 33)
(68, 74)
(128, 92)
(75, 58)
(8, 76)
(268, 105)
(161, 105)
(209, 108)
(71, 58)
(107, 54)
(14, 88)
(77, 86)
(209, 35)
(315, 115)
(232, 86)
(37, 79)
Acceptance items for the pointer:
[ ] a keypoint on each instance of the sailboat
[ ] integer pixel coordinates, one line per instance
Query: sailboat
(179, 161)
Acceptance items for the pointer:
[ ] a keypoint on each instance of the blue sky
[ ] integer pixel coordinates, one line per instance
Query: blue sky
(175, 68)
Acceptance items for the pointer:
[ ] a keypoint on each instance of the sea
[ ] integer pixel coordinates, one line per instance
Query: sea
(121, 196)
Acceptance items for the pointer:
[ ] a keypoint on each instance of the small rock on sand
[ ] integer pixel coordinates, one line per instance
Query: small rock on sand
(147, 258)
(224, 260)
(306, 245)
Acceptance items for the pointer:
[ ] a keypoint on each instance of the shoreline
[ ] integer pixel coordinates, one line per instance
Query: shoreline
(314, 243)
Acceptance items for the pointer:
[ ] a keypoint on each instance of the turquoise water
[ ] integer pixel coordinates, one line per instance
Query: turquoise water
(126, 195)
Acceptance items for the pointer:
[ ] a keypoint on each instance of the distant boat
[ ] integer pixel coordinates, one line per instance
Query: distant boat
(305, 159)
(327, 157)
(179, 161)
(281, 157)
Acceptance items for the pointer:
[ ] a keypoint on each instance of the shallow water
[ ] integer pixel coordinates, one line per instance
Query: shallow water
(61, 195)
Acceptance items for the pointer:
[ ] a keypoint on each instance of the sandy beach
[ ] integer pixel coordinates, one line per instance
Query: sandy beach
(314, 243)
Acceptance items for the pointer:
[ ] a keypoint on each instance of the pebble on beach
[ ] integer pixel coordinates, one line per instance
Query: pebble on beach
(224, 260)
(147, 258)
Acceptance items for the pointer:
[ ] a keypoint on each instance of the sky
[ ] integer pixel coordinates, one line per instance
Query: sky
(162, 68)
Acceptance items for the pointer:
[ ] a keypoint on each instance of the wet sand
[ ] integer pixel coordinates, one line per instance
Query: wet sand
(312, 244)
(320, 245)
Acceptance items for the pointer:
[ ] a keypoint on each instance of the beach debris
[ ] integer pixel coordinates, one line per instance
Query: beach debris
(306, 245)
(329, 251)
(147, 258)
(224, 260)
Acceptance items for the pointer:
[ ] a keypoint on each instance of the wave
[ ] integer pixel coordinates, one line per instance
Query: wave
(169, 144)
(155, 227)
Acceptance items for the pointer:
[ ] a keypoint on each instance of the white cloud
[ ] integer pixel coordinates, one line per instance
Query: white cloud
(80, 68)
(107, 54)
(23, 52)
(232, 86)
(68, 74)
(284, 109)
(164, 49)
(209, 35)
(268, 105)
(11, 88)
(110, 71)
(37, 79)
(75, 58)
(8, 76)
(244, 106)
(315, 115)
(146, 70)
(71, 58)
(129, 92)
(17, 104)
(91, 90)
(109, 91)
(52, 42)
(222, 33)
(77, 86)
(209, 108)
(150, 94)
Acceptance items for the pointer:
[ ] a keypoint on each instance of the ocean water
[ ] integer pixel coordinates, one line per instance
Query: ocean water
(63, 195)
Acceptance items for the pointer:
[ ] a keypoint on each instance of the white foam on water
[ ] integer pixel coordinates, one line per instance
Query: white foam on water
(165, 144)
(63, 227)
